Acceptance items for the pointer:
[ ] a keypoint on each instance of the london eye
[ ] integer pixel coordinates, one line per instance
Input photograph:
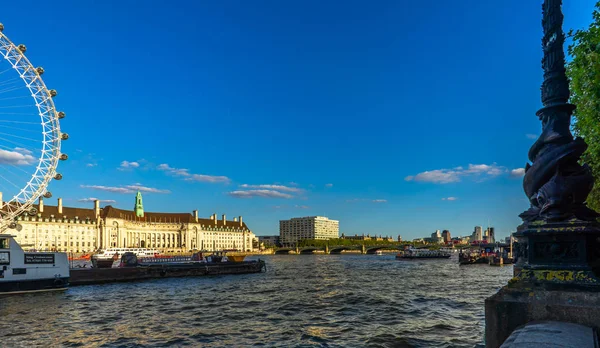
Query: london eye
(30, 136)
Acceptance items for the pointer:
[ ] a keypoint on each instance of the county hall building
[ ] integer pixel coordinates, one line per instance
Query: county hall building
(82, 230)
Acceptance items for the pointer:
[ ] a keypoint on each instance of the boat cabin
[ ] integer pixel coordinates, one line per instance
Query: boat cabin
(31, 271)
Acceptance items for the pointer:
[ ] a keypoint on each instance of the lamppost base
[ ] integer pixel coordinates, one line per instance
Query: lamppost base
(558, 254)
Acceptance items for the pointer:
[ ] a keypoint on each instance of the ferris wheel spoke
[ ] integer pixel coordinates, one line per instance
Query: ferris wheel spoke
(19, 137)
(17, 128)
(14, 142)
(12, 98)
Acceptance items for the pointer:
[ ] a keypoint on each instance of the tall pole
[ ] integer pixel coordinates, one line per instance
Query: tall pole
(555, 183)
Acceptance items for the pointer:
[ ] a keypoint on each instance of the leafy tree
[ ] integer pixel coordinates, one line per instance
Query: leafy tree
(584, 72)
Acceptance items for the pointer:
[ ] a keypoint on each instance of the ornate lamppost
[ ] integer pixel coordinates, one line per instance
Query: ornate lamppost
(557, 276)
(558, 237)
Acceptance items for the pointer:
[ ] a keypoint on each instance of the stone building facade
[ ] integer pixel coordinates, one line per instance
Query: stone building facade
(83, 230)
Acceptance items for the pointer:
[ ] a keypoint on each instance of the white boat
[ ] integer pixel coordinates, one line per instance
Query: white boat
(378, 252)
(22, 272)
(105, 258)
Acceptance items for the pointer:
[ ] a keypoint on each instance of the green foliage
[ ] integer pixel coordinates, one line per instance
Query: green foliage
(584, 72)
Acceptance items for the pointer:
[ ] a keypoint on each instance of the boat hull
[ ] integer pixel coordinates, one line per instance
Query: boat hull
(193, 269)
(422, 257)
(34, 285)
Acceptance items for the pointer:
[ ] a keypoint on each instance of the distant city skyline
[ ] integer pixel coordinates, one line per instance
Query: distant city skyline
(393, 118)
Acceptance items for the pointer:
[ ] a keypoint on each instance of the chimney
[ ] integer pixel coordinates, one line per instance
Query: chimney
(196, 215)
(241, 222)
(224, 220)
(97, 207)
(1, 202)
(41, 205)
(60, 205)
(215, 218)
(234, 219)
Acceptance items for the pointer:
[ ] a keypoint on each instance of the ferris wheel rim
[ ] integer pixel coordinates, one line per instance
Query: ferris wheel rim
(51, 143)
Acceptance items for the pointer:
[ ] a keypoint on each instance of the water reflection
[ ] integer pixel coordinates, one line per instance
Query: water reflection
(305, 300)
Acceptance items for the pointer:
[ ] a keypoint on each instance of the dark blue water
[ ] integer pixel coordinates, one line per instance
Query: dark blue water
(301, 301)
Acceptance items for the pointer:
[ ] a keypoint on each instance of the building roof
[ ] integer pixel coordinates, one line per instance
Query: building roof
(112, 212)
(69, 212)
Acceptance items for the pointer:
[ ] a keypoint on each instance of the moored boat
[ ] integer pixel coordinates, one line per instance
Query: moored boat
(106, 258)
(132, 269)
(422, 254)
(22, 272)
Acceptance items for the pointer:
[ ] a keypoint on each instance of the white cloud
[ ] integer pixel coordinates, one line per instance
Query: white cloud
(446, 176)
(18, 157)
(531, 136)
(293, 183)
(449, 199)
(126, 165)
(91, 165)
(302, 206)
(273, 187)
(259, 193)
(91, 199)
(186, 175)
(125, 189)
(517, 173)
(328, 185)
(354, 200)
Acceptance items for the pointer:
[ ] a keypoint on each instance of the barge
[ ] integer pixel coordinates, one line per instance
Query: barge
(130, 269)
(422, 254)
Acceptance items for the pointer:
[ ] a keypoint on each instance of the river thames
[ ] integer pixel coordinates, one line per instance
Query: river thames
(301, 301)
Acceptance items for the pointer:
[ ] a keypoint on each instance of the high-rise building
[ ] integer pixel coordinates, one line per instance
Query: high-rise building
(491, 238)
(477, 234)
(310, 227)
(446, 236)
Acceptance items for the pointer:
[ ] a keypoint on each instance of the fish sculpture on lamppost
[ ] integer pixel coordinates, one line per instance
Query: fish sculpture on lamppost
(557, 273)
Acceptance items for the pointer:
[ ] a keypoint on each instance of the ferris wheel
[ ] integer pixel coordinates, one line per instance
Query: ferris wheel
(30, 135)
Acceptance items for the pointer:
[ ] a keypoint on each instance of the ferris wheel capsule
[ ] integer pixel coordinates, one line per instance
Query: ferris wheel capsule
(64, 136)
(53, 93)
(48, 194)
(1, 27)
(61, 115)
(22, 48)
(63, 157)
(33, 211)
(39, 70)
(58, 176)
(12, 225)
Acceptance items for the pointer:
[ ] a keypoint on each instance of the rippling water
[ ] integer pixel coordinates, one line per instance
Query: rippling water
(301, 301)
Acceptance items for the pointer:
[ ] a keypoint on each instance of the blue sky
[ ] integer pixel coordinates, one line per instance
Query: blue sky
(394, 117)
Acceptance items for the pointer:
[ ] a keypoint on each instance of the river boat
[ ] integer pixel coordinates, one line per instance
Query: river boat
(472, 257)
(24, 272)
(422, 254)
(106, 258)
(378, 252)
(131, 269)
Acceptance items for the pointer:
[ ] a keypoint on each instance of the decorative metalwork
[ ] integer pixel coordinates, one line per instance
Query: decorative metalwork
(556, 251)
(555, 183)
(51, 135)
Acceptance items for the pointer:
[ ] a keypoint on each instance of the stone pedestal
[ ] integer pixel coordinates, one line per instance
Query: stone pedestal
(514, 306)
(556, 278)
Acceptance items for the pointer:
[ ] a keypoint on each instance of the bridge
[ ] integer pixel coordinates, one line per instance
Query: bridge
(337, 249)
